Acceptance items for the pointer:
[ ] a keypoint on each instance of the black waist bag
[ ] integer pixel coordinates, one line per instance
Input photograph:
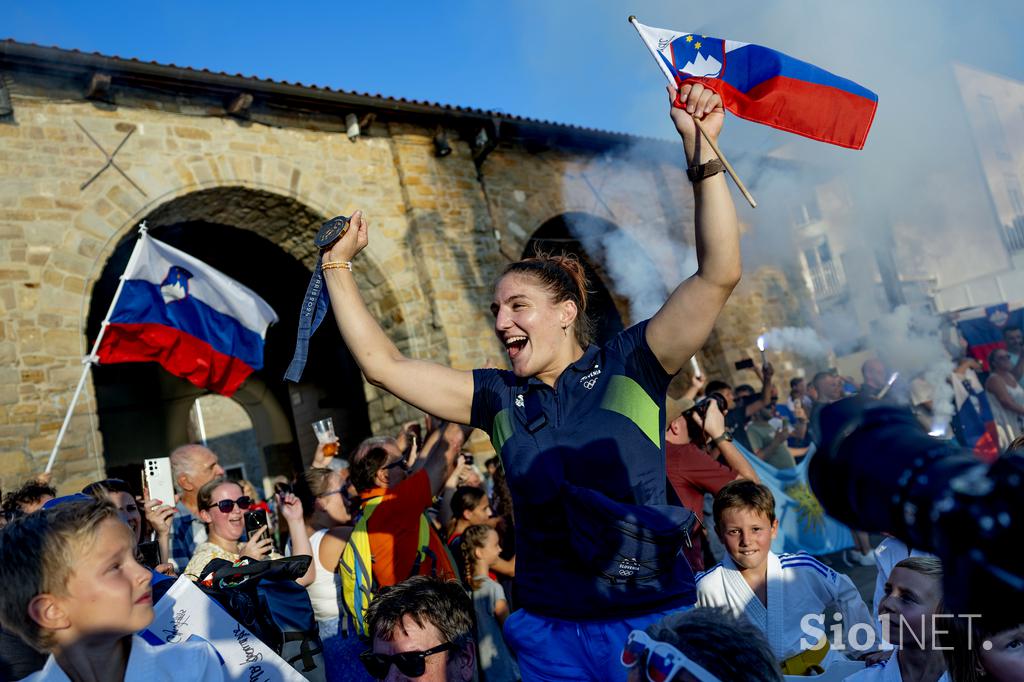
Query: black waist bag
(629, 547)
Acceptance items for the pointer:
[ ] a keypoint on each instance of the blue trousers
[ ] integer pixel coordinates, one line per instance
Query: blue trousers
(553, 650)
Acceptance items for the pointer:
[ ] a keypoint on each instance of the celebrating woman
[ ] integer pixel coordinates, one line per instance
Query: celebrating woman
(580, 428)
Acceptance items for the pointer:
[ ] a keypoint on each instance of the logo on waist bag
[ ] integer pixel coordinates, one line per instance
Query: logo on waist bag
(519, 400)
(628, 568)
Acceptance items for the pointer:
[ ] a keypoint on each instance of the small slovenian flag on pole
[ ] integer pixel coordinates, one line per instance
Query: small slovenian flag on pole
(197, 322)
(766, 86)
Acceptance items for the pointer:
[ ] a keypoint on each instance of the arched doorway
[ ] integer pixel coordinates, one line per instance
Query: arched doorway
(561, 234)
(143, 411)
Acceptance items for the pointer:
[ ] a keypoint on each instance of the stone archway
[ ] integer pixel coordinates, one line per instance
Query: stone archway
(264, 240)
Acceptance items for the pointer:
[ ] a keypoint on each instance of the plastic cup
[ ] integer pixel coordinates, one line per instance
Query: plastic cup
(324, 430)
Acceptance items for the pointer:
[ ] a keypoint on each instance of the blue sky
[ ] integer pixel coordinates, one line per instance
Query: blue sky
(571, 61)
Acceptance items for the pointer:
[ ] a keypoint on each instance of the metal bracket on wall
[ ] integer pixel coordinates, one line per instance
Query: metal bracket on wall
(110, 159)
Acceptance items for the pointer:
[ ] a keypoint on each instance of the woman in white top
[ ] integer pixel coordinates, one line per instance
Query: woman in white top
(321, 491)
(1005, 397)
(913, 597)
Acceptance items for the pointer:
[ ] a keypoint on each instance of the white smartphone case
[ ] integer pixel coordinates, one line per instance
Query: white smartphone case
(159, 480)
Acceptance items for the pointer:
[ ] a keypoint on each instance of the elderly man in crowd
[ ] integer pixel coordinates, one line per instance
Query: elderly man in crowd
(192, 467)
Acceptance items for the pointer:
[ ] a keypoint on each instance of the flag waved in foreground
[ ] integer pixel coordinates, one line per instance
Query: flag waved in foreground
(766, 86)
(197, 322)
(803, 524)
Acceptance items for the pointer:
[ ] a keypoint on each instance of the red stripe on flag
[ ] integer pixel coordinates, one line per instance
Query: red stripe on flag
(179, 353)
(982, 350)
(819, 112)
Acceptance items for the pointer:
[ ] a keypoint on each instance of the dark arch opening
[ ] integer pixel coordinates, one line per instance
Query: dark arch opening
(559, 235)
(143, 409)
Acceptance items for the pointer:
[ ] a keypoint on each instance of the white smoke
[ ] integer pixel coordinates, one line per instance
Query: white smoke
(643, 263)
(911, 342)
(803, 341)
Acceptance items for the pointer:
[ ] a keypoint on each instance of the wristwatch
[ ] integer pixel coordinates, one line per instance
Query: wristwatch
(727, 437)
(705, 170)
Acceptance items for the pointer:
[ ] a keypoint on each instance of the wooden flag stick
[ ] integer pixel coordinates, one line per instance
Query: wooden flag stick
(725, 162)
(672, 79)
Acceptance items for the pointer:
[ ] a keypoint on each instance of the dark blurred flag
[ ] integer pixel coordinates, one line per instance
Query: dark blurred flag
(766, 86)
(982, 328)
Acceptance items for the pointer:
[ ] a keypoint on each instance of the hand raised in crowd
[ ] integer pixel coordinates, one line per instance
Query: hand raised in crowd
(354, 240)
(291, 507)
(166, 569)
(713, 422)
(258, 546)
(405, 435)
(320, 460)
(159, 516)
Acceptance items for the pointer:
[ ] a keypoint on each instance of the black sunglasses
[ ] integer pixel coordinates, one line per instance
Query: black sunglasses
(409, 663)
(400, 463)
(243, 502)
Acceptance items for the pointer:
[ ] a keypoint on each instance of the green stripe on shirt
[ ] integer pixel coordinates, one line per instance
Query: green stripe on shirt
(626, 397)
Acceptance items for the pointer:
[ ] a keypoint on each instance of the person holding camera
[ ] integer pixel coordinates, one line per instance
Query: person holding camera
(579, 427)
(694, 441)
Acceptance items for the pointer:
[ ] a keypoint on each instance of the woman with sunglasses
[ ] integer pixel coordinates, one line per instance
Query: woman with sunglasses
(222, 506)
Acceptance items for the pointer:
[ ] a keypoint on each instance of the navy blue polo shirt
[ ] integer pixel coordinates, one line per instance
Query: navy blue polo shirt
(602, 427)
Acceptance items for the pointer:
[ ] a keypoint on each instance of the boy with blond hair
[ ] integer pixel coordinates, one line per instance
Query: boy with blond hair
(776, 592)
(72, 587)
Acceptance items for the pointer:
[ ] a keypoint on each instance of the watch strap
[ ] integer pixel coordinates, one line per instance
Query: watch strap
(705, 170)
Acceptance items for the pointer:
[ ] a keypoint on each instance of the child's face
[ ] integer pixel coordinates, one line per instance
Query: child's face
(491, 551)
(747, 535)
(911, 599)
(1005, 660)
(108, 593)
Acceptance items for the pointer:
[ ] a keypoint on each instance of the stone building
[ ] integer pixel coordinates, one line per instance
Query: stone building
(240, 172)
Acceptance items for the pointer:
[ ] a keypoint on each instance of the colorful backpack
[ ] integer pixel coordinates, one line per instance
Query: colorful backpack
(358, 586)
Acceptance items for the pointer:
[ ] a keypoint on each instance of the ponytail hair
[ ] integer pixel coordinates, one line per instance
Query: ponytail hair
(565, 279)
(473, 539)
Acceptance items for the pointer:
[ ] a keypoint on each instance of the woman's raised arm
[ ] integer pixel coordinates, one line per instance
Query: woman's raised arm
(682, 325)
(439, 390)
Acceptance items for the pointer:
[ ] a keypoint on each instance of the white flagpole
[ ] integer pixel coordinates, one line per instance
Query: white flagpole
(199, 421)
(91, 358)
(714, 145)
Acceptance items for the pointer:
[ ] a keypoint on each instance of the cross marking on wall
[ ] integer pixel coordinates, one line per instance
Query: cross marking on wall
(110, 159)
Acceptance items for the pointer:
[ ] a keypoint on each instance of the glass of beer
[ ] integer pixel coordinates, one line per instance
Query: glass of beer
(324, 430)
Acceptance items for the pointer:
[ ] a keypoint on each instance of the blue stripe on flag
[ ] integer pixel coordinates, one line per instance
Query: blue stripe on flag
(142, 303)
(749, 66)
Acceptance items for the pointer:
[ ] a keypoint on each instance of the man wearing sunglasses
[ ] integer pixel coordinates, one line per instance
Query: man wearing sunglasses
(422, 630)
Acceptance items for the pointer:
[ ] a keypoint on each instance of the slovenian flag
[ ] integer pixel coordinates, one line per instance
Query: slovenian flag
(197, 322)
(766, 86)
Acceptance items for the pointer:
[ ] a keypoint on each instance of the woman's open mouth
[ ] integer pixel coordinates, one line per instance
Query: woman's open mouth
(514, 345)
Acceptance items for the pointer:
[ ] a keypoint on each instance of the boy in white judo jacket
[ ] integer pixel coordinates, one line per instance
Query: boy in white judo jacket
(776, 592)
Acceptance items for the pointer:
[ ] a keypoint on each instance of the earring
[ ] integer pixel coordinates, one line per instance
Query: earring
(564, 333)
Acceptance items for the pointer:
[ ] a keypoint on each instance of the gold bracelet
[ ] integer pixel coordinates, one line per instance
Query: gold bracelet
(337, 265)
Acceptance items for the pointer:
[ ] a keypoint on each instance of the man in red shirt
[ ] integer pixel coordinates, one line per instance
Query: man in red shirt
(694, 470)
(394, 525)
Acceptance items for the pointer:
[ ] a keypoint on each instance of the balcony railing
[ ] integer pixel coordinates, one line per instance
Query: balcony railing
(827, 280)
(1015, 235)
